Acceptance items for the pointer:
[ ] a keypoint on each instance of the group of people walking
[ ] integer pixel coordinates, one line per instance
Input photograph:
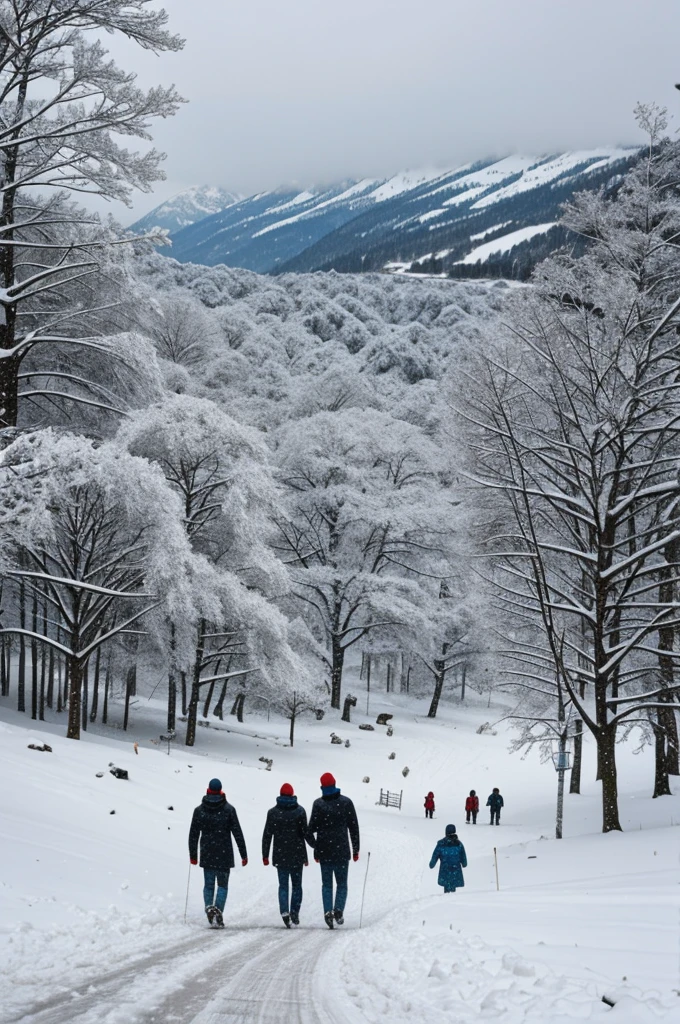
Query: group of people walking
(494, 803)
(332, 833)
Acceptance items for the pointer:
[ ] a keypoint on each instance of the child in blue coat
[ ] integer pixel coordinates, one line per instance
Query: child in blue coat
(450, 852)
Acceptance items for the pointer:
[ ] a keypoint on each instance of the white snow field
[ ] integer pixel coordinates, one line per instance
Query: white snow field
(92, 902)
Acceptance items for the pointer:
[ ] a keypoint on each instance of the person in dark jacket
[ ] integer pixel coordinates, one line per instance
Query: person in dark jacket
(472, 807)
(429, 805)
(214, 822)
(450, 853)
(287, 824)
(333, 826)
(495, 802)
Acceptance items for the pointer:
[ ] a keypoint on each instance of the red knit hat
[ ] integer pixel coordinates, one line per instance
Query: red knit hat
(287, 789)
(327, 780)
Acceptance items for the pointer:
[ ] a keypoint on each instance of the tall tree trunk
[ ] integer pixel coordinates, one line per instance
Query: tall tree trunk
(74, 674)
(172, 684)
(606, 759)
(185, 708)
(291, 735)
(4, 667)
(208, 700)
(43, 664)
(661, 781)
(439, 677)
(219, 707)
(95, 686)
(21, 681)
(337, 662)
(192, 711)
(60, 692)
(130, 690)
(86, 693)
(107, 687)
(34, 658)
(463, 677)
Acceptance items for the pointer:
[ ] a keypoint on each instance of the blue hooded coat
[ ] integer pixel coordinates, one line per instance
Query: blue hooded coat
(450, 853)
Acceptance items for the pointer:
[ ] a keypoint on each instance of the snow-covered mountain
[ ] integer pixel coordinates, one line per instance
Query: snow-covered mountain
(187, 207)
(434, 217)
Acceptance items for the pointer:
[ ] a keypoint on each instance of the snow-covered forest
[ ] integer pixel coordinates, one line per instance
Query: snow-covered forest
(242, 511)
(237, 480)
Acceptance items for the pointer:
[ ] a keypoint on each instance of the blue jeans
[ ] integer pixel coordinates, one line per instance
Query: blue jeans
(339, 870)
(211, 877)
(295, 877)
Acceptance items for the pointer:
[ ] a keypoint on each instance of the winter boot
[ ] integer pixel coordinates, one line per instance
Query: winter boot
(286, 919)
(339, 919)
(210, 913)
(328, 918)
(294, 917)
(218, 921)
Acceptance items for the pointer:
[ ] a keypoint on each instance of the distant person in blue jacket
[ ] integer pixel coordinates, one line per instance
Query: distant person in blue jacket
(450, 853)
(495, 802)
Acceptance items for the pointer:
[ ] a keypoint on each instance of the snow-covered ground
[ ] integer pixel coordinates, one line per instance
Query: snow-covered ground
(92, 902)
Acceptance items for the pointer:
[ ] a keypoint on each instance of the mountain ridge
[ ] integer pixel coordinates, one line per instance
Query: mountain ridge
(426, 219)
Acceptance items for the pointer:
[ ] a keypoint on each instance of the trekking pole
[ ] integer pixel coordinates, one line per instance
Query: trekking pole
(186, 902)
(363, 894)
(495, 860)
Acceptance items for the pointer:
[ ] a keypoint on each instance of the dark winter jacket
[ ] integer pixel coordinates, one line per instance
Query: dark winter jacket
(472, 803)
(495, 801)
(215, 821)
(333, 819)
(450, 852)
(429, 802)
(286, 824)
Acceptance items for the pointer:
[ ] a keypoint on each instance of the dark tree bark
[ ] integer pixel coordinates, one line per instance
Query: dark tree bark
(86, 693)
(237, 707)
(337, 662)
(183, 677)
(21, 680)
(107, 687)
(74, 676)
(95, 686)
(219, 707)
(662, 785)
(606, 759)
(130, 690)
(192, 711)
(34, 658)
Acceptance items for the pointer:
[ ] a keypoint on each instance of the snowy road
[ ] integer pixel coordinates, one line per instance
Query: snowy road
(258, 976)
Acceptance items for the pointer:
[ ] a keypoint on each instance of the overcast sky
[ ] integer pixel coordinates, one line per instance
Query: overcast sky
(308, 91)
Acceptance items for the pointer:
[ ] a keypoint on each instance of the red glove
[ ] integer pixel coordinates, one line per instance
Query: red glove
(244, 861)
(265, 861)
(316, 860)
(194, 861)
(355, 857)
(306, 863)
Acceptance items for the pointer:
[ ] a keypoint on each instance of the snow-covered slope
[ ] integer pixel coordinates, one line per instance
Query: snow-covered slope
(187, 207)
(363, 225)
(94, 871)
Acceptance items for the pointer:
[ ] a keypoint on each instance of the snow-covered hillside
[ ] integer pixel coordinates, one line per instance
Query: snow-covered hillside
(187, 207)
(365, 224)
(94, 874)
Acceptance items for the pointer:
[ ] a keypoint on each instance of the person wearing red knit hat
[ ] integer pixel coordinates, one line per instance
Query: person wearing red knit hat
(286, 825)
(333, 825)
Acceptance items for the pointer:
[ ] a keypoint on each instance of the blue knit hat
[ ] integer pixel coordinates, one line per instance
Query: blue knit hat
(450, 830)
(215, 786)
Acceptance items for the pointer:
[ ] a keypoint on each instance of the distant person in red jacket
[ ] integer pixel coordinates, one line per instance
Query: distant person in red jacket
(429, 805)
(472, 807)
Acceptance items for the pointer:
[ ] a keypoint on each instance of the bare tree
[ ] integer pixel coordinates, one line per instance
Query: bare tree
(62, 102)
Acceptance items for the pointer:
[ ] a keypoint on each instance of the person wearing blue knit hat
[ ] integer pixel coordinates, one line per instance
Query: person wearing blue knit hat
(214, 822)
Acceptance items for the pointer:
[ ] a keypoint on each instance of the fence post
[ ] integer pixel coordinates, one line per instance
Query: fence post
(495, 860)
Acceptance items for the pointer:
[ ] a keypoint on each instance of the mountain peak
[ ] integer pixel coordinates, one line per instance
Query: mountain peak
(186, 208)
